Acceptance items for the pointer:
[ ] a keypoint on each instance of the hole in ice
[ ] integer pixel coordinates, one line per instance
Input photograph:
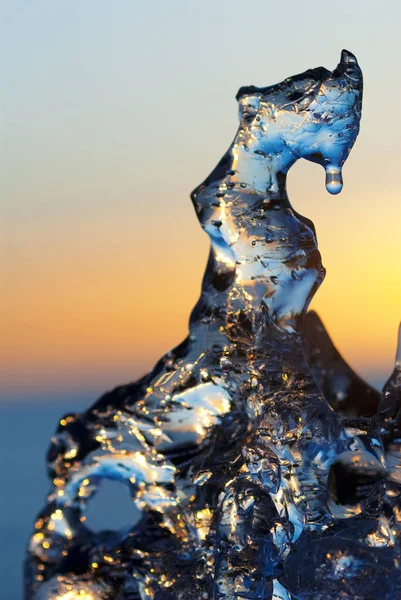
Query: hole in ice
(352, 478)
(111, 508)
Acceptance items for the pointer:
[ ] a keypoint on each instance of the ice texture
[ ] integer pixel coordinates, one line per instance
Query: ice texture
(262, 467)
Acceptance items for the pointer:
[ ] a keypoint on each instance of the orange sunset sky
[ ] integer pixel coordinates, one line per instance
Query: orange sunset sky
(112, 118)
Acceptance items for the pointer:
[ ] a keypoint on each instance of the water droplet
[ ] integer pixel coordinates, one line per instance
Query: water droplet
(334, 180)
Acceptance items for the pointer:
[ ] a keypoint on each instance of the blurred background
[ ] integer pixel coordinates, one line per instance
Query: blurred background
(112, 112)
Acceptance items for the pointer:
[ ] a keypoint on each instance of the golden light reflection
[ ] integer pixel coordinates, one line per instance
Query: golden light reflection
(78, 595)
(97, 316)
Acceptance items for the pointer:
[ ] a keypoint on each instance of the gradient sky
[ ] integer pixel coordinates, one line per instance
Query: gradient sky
(112, 113)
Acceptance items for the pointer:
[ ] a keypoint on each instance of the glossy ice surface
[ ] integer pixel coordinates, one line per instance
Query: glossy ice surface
(261, 466)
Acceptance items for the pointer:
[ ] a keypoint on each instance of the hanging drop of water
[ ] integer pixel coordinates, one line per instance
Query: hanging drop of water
(334, 179)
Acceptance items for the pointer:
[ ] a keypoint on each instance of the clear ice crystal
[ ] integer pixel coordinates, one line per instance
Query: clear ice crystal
(261, 466)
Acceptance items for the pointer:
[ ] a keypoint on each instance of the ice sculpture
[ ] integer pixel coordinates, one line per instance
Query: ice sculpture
(261, 465)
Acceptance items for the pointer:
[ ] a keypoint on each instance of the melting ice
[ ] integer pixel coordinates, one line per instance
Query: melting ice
(261, 465)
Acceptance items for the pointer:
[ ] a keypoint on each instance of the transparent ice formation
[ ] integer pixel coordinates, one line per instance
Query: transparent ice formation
(260, 465)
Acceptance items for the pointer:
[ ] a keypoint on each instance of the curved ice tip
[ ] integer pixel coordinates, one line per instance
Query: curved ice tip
(348, 58)
(398, 351)
(349, 65)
